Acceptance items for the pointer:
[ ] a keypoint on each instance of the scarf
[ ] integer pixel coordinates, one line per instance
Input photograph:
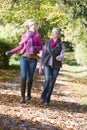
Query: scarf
(29, 43)
(54, 43)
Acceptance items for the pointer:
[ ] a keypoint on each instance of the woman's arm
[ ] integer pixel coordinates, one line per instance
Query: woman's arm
(24, 39)
(43, 55)
(14, 50)
(17, 49)
(61, 56)
(42, 59)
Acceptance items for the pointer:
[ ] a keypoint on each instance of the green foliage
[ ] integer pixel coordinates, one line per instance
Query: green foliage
(9, 38)
(45, 12)
(69, 59)
(68, 46)
(78, 37)
(4, 61)
(76, 8)
(81, 53)
(75, 31)
(10, 34)
(70, 15)
(14, 59)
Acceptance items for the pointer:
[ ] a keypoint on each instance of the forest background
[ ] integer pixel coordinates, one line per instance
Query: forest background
(69, 15)
(68, 108)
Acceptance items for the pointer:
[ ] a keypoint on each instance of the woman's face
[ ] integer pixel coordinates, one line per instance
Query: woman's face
(34, 27)
(55, 34)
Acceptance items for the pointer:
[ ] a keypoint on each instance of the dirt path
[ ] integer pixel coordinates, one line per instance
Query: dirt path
(66, 111)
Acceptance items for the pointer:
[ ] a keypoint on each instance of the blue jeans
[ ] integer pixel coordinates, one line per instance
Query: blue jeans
(50, 78)
(27, 67)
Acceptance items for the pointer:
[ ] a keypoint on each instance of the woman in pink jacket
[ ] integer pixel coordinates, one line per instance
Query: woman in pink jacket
(29, 47)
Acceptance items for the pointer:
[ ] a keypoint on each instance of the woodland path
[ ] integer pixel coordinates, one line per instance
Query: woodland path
(66, 111)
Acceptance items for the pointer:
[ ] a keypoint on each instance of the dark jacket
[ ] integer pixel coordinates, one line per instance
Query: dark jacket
(54, 52)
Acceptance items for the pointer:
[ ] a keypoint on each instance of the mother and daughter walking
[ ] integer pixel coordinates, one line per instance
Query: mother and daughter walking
(52, 55)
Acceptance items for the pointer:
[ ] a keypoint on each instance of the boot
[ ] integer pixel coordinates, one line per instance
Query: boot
(23, 88)
(29, 86)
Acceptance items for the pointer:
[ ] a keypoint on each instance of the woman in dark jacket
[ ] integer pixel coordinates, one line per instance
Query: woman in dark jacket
(52, 56)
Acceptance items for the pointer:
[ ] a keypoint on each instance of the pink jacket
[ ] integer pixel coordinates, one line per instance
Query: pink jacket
(37, 43)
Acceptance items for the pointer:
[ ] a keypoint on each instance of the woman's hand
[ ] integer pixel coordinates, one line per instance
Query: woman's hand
(59, 58)
(8, 53)
(32, 48)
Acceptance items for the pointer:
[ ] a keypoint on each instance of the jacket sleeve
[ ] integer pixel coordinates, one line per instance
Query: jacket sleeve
(24, 39)
(18, 48)
(62, 54)
(39, 44)
(43, 55)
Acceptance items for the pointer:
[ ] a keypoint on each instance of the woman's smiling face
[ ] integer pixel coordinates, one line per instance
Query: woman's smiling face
(34, 27)
(54, 34)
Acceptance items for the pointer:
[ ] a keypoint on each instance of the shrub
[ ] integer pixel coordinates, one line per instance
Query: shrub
(9, 38)
(4, 60)
(81, 53)
(81, 45)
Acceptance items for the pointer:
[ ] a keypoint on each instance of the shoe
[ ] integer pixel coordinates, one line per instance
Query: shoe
(29, 98)
(41, 100)
(22, 100)
(46, 104)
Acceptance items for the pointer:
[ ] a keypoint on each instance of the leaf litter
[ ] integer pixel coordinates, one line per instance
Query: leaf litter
(65, 111)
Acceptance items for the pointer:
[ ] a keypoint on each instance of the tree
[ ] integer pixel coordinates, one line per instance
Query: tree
(67, 14)
(75, 30)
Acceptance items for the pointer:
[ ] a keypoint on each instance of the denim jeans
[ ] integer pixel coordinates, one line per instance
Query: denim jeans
(27, 67)
(50, 78)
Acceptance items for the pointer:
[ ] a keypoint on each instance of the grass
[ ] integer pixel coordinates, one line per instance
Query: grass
(84, 101)
(72, 66)
(76, 74)
(69, 59)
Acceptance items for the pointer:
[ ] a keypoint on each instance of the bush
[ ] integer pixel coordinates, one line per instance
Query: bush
(4, 60)
(68, 46)
(76, 33)
(81, 53)
(81, 45)
(9, 38)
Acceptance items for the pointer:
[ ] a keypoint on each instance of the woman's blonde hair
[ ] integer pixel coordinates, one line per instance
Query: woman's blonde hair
(29, 23)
